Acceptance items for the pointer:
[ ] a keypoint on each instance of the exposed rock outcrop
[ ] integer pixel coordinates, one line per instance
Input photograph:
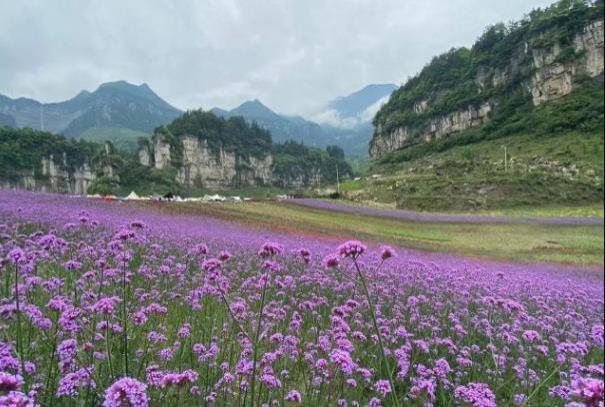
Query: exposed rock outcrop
(56, 176)
(553, 79)
(203, 166)
(298, 181)
(438, 128)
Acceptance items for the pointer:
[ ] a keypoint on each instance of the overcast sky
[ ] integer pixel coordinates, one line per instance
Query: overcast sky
(294, 55)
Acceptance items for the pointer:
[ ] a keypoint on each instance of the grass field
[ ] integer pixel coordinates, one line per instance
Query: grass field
(551, 211)
(516, 242)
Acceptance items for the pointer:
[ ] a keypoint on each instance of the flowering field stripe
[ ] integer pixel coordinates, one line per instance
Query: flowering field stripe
(572, 244)
(339, 206)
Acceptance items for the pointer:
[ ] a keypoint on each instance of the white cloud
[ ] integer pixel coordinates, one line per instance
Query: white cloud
(334, 119)
(369, 113)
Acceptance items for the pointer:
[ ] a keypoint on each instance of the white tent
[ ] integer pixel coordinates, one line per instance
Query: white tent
(213, 198)
(132, 196)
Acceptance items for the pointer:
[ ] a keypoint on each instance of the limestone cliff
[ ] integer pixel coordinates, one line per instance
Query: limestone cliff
(464, 88)
(56, 174)
(200, 165)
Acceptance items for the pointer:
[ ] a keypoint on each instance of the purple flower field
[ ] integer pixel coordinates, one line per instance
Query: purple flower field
(435, 217)
(116, 305)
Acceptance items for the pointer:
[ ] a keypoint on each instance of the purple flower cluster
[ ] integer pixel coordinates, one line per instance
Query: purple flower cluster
(476, 395)
(126, 392)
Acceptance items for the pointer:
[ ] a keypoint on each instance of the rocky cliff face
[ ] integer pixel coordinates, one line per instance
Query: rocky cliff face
(547, 73)
(202, 166)
(553, 79)
(298, 181)
(56, 176)
(440, 127)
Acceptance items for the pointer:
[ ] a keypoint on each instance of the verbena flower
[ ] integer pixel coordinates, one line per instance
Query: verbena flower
(383, 387)
(10, 382)
(270, 249)
(126, 392)
(476, 395)
(294, 396)
(352, 248)
(331, 261)
(386, 252)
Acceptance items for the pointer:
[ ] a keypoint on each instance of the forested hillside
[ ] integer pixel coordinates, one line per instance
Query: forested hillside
(515, 120)
(510, 71)
(196, 153)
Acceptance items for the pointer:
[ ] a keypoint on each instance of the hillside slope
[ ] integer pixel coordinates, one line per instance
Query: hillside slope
(534, 88)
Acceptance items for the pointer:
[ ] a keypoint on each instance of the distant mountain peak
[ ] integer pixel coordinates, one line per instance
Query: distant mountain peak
(253, 102)
(254, 108)
(82, 95)
(116, 84)
(122, 85)
(355, 103)
(116, 104)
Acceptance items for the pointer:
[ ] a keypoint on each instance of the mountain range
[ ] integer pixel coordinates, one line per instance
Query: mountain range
(116, 111)
(346, 121)
(282, 127)
(122, 112)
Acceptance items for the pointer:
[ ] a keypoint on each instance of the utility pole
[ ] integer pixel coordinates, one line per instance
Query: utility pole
(505, 158)
(337, 181)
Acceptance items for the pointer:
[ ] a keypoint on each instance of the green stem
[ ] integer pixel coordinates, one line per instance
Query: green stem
(19, 344)
(380, 344)
(255, 343)
(542, 383)
(235, 321)
(107, 349)
(124, 321)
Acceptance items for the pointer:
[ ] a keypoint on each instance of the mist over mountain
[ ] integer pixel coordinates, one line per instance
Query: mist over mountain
(355, 109)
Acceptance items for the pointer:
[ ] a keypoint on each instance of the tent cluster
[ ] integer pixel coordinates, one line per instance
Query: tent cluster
(133, 196)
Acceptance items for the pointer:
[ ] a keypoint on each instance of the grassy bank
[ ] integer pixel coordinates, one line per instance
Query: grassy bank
(565, 170)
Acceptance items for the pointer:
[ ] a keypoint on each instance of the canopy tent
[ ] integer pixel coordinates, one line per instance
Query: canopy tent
(132, 196)
(213, 198)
